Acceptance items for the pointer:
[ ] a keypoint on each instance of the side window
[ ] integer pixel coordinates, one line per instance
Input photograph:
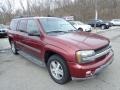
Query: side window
(13, 24)
(22, 26)
(32, 26)
(98, 21)
(91, 22)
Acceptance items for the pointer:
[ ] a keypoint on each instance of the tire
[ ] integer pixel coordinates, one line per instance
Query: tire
(103, 27)
(13, 47)
(58, 69)
(80, 29)
(108, 27)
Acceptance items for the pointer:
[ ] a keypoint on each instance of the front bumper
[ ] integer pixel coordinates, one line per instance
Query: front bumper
(87, 30)
(90, 70)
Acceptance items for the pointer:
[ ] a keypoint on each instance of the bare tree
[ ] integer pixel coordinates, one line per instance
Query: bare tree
(6, 11)
(81, 9)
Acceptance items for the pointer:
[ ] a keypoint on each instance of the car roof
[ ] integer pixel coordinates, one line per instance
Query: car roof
(76, 21)
(33, 18)
(96, 19)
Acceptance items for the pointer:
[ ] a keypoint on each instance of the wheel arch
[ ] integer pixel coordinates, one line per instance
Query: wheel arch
(49, 53)
(80, 28)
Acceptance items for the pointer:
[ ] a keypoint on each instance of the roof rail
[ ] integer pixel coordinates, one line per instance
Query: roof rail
(22, 16)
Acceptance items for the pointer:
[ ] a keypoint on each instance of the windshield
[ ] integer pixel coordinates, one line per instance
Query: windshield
(100, 20)
(76, 23)
(56, 24)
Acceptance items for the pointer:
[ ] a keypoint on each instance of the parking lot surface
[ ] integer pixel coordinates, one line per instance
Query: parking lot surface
(18, 73)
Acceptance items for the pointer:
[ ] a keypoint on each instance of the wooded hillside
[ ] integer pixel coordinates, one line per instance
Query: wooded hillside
(81, 9)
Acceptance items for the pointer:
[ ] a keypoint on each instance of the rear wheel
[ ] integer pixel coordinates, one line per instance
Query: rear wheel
(13, 47)
(80, 29)
(103, 27)
(58, 69)
(108, 27)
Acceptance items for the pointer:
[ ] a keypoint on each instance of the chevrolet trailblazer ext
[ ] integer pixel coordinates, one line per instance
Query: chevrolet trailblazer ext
(65, 51)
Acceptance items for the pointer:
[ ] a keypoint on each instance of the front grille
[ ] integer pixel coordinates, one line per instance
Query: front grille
(99, 54)
(2, 30)
(102, 49)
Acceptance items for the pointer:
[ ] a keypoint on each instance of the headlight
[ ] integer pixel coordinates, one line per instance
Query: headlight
(107, 23)
(81, 55)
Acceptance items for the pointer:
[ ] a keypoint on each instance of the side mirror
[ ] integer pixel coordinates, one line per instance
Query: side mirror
(33, 33)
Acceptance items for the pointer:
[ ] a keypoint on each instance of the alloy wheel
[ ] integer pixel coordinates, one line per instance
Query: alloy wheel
(56, 70)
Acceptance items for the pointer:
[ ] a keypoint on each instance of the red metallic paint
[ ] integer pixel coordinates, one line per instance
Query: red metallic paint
(65, 45)
(79, 70)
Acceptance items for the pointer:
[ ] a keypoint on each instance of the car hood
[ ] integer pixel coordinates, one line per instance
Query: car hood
(82, 26)
(81, 40)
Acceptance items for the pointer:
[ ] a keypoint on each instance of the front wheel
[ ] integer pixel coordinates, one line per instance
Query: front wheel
(58, 69)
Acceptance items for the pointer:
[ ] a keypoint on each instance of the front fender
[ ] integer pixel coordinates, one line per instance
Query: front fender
(68, 56)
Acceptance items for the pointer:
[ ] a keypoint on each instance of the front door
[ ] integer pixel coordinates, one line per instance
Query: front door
(34, 44)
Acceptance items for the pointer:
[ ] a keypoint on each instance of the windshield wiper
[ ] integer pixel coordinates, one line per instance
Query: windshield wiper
(57, 32)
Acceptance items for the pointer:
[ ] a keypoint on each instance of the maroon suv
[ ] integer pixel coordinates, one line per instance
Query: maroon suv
(65, 51)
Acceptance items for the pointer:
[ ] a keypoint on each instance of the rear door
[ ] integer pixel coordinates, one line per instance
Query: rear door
(12, 32)
(21, 34)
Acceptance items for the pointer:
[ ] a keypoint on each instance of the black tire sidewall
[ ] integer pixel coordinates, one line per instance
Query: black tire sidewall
(66, 75)
(103, 27)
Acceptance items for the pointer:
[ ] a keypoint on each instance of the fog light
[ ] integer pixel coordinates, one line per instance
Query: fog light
(89, 73)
